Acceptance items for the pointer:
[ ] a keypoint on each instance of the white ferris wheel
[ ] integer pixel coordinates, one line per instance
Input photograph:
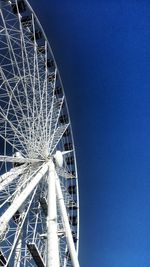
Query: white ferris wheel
(39, 203)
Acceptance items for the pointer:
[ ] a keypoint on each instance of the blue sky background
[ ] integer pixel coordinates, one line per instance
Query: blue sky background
(102, 49)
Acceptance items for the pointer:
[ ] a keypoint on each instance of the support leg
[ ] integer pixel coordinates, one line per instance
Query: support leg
(52, 235)
(73, 253)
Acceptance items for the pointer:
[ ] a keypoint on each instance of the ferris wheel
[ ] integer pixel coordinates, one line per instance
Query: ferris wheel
(39, 202)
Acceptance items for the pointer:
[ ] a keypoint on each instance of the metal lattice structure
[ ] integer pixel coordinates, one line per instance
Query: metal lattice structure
(39, 203)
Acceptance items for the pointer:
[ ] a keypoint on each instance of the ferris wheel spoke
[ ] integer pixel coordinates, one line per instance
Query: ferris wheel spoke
(52, 105)
(11, 50)
(45, 109)
(15, 111)
(27, 66)
(56, 137)
(14, 130)
(21, 77)
(20, 160)
(37, 73)
(46, 86)
(17, 147)
(64, 173)
(47, 118)
(55, 113)
(20, 116)
(35, 70)
(24, 87)
(7, 59)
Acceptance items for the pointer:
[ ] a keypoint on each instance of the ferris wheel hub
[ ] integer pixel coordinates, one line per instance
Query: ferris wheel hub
(18, 155)
(58, 158)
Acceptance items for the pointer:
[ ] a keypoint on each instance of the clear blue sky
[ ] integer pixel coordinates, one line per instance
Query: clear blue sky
(102, 49)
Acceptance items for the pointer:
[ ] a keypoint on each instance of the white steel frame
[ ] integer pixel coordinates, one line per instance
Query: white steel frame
(39, 202)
